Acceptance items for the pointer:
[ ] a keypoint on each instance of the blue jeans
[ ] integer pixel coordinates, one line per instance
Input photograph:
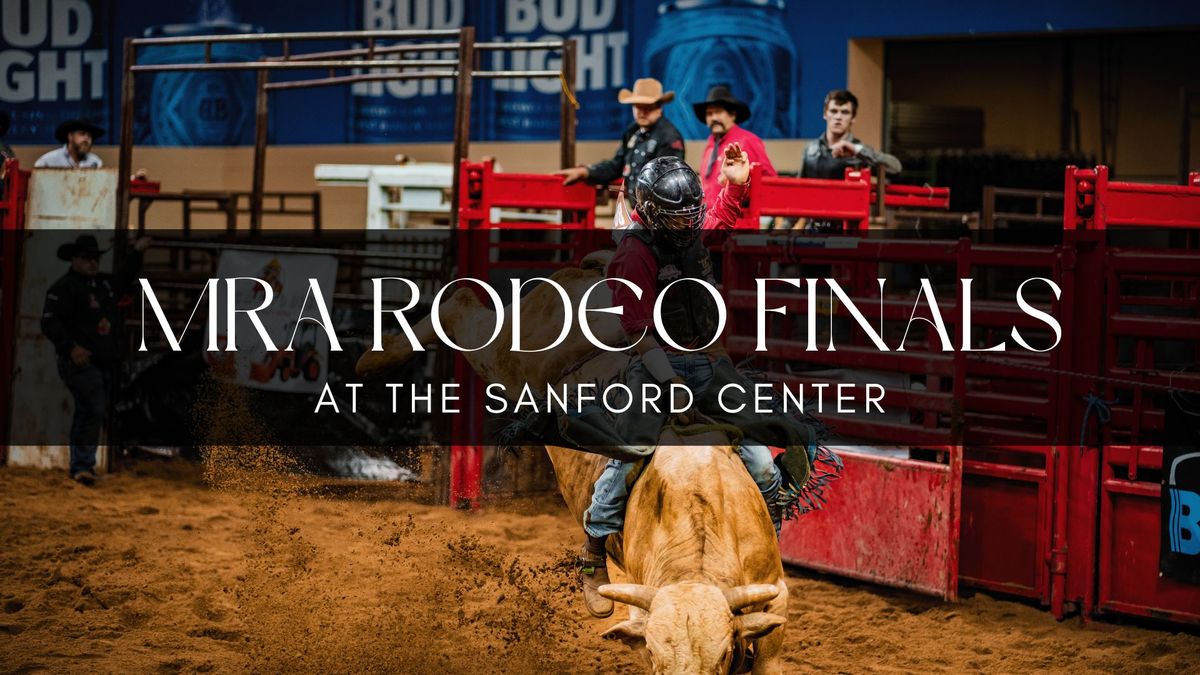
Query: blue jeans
(606, 515)
(89, 386)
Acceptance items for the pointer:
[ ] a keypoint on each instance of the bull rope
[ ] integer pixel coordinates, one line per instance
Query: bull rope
(735, 435)
(1169, 387)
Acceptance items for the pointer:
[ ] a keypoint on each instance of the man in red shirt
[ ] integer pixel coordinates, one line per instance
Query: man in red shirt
(722, 112)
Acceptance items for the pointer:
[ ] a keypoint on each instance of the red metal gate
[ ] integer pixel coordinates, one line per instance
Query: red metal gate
(891, 519)
(1014, 462)
(13, 192)
(485, 194)
(1151, 304)
(775, 196)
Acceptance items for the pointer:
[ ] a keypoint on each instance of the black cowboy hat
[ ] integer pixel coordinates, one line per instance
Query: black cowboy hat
(722, 95)
(5, 120)
(77, 125)
(85, 245)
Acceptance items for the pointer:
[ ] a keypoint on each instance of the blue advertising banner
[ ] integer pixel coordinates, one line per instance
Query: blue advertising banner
(55, 63)
(61, 59)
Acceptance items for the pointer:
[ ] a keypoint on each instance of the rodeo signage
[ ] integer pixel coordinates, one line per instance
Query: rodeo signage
(617, 398)
(265, 293)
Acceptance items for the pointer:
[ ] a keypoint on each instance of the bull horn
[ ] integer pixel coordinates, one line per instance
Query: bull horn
(631, 594)
(752, 594)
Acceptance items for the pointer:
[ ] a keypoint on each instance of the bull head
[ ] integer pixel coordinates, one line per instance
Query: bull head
(692, 627)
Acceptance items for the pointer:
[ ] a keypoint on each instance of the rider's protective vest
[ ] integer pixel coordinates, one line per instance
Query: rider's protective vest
(689, 312)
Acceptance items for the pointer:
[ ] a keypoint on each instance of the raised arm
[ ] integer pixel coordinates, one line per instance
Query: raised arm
(735, 172)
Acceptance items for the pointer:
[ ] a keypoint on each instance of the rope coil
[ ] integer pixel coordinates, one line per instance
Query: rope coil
(566, 89)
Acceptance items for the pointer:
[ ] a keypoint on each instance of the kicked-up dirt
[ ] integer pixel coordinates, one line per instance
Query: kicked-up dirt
(171, 568)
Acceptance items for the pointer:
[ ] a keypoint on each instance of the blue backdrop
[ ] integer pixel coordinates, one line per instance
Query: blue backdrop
(61, 58)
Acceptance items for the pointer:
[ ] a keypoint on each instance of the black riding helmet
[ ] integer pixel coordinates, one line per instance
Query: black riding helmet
(668, 197)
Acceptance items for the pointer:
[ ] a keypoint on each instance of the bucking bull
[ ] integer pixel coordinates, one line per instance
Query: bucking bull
(708, 593)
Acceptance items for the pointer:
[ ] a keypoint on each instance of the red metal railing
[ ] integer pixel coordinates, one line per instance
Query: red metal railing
(774, 196)
(1130, 523)
(913, 506)
(1098, 203)
(12, 224)
(914, 196)
(1149, 315)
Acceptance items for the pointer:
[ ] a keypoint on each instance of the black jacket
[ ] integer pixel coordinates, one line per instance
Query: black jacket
(637, 147)
(83, 311)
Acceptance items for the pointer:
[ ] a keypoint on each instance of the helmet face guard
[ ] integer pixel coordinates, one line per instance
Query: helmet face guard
(669, 199)
(677, 227)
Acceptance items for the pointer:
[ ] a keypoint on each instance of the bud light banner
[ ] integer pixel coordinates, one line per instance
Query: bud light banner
(56, 62)
(1180, 556)
(61, 59)
(528, 109)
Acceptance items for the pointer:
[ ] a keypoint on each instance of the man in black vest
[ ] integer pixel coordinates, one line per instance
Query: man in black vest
(83, 321)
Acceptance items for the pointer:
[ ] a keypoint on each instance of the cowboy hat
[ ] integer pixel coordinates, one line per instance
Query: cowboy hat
(77, 125)
(721, 94)
(85, 245)
(5, 120)
(646, 91)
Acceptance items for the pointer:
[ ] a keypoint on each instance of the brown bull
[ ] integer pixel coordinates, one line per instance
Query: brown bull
(709, 589)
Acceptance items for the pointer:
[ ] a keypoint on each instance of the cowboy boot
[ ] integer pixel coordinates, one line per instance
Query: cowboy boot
(593, 573)
(775, 508)
(795, 466)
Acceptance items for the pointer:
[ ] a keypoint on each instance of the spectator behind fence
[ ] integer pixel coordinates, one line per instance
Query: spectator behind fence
(76, 153)
(649, 137)
(837, 149)
(81, 318)
(5, 151)
(722, 112)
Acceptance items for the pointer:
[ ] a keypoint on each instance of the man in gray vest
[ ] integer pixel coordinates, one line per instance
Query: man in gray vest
(837, 149)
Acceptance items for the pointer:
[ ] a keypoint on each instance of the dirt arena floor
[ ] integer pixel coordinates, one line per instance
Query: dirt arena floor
(169, 568)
